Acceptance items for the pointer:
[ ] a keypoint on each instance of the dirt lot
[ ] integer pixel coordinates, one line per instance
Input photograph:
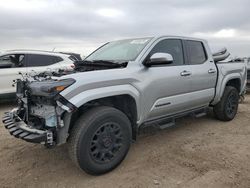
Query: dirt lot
(200, 152)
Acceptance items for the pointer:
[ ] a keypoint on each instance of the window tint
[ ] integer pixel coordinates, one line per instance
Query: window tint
(171, 46)
(196, 52)
(35, 60)
(12, 61)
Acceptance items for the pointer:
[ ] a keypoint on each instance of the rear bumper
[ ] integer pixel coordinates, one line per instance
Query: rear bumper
(20, 129)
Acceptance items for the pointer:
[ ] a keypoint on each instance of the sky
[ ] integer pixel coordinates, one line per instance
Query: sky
(82, 26)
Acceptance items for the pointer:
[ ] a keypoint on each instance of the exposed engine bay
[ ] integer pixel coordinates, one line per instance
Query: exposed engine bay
(39, 112)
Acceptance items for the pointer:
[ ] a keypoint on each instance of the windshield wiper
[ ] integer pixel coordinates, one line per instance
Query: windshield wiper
(106, 62)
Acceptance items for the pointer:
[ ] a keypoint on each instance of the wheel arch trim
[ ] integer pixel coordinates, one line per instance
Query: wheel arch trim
(98, 93)
(220, 88)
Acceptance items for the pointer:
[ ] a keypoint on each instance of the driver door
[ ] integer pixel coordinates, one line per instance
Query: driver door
(168, 85)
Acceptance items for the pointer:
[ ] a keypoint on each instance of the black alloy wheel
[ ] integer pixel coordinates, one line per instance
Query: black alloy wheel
(106, 142)
(100, 139)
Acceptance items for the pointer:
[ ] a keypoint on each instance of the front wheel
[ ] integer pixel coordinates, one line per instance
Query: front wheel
(227, 108)
(100, 140)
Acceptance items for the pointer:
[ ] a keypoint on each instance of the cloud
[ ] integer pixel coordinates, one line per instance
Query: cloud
(77, 25)
(109, 12)
(223, 33)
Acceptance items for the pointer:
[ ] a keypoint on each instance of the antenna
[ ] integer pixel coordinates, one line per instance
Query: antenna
(53, 49)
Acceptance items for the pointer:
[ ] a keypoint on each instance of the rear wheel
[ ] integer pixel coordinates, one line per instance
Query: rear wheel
(100, 140)
(227, 108)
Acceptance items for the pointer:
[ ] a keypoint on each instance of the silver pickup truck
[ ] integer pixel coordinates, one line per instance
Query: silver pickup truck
(123, 86)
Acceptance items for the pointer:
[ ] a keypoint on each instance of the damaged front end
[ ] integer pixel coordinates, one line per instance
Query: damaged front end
(40, 115)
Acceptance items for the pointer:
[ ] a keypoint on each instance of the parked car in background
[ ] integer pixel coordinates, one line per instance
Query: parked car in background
(12, 63)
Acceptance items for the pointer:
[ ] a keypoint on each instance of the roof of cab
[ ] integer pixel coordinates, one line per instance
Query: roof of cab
(179, 37)
(164, 36)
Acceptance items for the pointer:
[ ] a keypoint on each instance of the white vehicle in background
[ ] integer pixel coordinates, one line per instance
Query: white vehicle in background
(12, 63)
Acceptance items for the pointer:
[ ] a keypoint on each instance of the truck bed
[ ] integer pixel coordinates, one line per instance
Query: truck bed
(229, 70)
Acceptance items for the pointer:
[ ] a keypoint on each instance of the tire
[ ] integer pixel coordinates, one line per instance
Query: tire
(100, 140)
(227, 108)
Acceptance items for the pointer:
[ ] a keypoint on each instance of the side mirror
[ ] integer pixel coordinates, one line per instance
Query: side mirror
(160, 59)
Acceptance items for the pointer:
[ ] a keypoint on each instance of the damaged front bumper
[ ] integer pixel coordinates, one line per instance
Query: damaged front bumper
(43, 115)
(18, 128)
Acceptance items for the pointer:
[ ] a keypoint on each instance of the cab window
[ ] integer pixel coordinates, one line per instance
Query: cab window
(196, 52)
(170, 46)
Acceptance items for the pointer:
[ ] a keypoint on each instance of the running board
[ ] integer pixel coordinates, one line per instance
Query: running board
(200, 113)
(164, 124)
(169, 121)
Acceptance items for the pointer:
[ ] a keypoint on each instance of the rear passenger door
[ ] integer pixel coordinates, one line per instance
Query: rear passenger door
(203, 73)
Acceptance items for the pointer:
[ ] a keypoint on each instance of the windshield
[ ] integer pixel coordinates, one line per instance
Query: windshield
(123, 50)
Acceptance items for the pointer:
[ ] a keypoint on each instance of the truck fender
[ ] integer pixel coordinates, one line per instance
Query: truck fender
(93, 94)
(221, 87)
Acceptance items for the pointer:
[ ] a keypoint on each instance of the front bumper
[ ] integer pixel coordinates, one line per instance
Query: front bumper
(20, 129)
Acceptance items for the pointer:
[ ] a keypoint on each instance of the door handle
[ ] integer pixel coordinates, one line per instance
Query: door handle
(186, 73)
(211, 71)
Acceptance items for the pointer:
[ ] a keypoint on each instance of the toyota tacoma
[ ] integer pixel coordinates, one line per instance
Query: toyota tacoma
(99, 107)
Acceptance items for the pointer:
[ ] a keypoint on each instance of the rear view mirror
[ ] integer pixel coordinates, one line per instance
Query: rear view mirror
(159, 59)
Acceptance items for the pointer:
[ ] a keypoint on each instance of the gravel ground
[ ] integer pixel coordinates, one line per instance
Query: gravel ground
(198, 153)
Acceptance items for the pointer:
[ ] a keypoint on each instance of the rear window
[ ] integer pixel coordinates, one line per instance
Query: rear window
(35, 60)
(196, 52)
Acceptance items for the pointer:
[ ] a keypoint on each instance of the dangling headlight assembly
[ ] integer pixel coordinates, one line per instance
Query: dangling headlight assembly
(50, 88)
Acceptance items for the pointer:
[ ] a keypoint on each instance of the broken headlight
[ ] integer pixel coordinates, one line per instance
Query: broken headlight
(50, 88)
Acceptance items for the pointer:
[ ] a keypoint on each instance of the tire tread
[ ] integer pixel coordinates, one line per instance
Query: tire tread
(219, 109)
